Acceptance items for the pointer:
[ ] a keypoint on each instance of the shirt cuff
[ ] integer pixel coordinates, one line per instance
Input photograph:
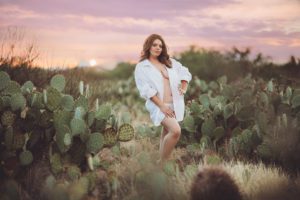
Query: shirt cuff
(150, 93)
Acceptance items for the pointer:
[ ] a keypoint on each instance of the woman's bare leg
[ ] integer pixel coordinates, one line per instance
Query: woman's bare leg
(164, 132)
(172, 137)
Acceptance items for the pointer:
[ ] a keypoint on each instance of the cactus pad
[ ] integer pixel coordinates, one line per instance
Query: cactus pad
(60, 118)
(56, 164)
(95, 143)
(67, 102)
(73, 172)
(17, 102)
(77, 126)
(104, 112)
(82, 101)
(27, 87)
(296, 101)
(8, 118)
(58, 82)
(12, 88)
(126, 133)
(208, 127)
(4, 80)
(53, 98)
(204, 100)
(110, 137)
(189, 123)
(26, 158)
(228, 111)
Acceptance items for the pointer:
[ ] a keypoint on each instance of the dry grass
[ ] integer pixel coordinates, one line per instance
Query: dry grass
(257, 181)
(139, 176)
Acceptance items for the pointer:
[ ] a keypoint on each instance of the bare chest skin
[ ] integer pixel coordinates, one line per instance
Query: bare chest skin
(167, 98)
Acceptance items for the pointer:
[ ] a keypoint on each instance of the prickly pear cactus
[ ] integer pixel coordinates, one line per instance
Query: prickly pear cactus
(36, 100)
(110, 136)
(189, 123)
(246, 113)
(27, 87)
(30, 118)
(4, 80)
(77, 126)
(204, 99)
(64, 139)
(103, 113)
(8, 118)
(208, 127)
(17, 102)
(126, 133)
(58, 82)
(61, 118)
(53, 98)
(296, 101)
(67, 102)
(26, 158)
(95, 142)
(73, 172)
(82, 101)
(228, 111)
(56, 163)
(12, 88)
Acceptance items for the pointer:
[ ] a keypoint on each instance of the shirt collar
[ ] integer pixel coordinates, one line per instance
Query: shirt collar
(146, 63)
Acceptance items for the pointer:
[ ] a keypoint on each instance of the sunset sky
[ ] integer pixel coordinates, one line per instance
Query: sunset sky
(105, 32)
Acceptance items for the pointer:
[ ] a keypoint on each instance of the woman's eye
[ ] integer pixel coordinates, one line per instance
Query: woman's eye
(155, 45)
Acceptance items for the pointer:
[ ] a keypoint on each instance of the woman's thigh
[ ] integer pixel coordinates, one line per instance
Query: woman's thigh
(171, 124)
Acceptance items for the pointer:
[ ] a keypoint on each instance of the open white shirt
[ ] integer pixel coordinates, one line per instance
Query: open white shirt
(149, 82)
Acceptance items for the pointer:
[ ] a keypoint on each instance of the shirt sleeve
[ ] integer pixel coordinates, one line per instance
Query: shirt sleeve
(182, 71)
(145, 89)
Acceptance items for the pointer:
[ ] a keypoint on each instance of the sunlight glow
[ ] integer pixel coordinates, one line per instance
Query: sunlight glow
(93, 62)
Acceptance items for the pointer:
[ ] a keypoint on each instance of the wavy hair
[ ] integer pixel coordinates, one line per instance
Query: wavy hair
(163, 57)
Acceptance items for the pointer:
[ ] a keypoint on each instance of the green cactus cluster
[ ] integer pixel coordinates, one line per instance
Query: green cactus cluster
(236, 118)
(32, 117)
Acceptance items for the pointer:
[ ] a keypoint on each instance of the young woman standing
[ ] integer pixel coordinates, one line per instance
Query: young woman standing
(162, 81)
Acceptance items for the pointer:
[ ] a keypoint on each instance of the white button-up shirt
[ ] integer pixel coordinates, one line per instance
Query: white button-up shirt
(149, 82)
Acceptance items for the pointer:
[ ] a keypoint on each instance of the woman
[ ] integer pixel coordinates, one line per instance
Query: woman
(162, 81)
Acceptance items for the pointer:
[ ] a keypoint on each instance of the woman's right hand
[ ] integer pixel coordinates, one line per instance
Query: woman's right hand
(167, 111)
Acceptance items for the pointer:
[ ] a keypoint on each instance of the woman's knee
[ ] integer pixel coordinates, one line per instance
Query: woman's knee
(176, 132)
(172, 126)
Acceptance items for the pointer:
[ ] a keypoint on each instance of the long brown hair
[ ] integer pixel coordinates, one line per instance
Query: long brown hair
(163, 57)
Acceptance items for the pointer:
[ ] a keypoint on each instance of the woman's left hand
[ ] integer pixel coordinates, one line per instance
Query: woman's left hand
(181, 90)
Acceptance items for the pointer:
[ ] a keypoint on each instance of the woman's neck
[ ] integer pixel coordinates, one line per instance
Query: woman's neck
(154, 59)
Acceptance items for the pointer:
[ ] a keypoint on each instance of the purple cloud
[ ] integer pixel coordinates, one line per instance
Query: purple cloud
(114, 30)
(124, 8)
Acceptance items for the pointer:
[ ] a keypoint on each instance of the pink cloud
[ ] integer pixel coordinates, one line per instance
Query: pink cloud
(112, 30)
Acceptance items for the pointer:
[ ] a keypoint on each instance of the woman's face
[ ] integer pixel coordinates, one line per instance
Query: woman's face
(156, 48)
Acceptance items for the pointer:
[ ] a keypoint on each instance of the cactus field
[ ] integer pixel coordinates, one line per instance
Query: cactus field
(58, 145)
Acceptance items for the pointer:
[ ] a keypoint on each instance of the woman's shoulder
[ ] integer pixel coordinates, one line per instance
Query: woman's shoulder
(174, 62)
(143, 63)
(141, 66)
